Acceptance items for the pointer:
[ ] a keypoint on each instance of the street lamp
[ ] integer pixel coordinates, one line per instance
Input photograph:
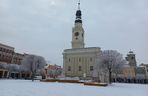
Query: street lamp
(84, 75)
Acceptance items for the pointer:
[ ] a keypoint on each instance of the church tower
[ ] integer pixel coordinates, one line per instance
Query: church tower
(80, 61)
(131, 59)
(78, 31)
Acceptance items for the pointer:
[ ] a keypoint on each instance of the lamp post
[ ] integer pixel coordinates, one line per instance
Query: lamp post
(84, 75)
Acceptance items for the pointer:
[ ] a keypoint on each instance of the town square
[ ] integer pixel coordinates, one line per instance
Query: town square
(73, 48)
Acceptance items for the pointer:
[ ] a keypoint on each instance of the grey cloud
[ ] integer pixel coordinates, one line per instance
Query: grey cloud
(44, 27)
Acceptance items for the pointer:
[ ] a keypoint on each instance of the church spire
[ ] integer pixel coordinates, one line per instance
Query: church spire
(78, 14)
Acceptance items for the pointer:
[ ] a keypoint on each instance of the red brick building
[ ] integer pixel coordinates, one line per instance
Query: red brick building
(8, 56)
(53, 71)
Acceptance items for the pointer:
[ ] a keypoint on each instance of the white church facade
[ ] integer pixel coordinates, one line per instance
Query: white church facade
(80, 61)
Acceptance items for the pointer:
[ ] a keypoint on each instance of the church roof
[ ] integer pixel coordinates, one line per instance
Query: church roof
(83, 50)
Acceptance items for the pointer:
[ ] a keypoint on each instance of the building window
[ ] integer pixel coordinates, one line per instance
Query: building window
(132, 58)
(2, 56)
(80, 68)
(4, 50)
(91, 59)
(69, 68)
(79, 59)
(91, 68)
(147, 70)
(69, 59)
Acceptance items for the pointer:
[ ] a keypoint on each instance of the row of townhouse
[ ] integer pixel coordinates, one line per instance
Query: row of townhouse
(9, 56)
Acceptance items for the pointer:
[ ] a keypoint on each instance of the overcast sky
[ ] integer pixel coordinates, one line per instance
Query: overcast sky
(44, 27)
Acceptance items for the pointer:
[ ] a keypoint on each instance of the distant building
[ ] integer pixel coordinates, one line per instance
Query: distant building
(140, 74)
(131, 59)
(129, 73)
(80, 61)
(53, 71)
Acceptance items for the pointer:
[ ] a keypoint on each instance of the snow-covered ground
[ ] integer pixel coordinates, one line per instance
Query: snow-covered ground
(29, 88)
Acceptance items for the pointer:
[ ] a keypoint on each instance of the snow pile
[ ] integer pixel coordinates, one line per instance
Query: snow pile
(29, 88)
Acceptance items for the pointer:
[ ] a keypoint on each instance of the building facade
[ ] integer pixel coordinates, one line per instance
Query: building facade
(129, 73)
(17, 58)
(6, 53)
(8, 56)
(145, 68)
(53, 71)
(80, 60)
(142, 73)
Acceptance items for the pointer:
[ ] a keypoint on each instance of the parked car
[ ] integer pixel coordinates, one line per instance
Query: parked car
(38, 77)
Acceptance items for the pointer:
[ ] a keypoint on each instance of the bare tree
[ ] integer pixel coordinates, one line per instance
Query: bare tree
(111, 61)
(33, 63)
(13, 68)
(117, 70)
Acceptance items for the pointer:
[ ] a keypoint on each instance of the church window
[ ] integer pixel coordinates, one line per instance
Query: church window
(91, 68)
(69, 68)
(80, 68)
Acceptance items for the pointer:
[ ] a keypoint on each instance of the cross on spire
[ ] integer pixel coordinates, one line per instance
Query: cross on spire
(79, 5)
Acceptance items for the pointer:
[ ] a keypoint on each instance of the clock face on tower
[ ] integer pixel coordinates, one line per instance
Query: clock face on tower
(77, 34)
